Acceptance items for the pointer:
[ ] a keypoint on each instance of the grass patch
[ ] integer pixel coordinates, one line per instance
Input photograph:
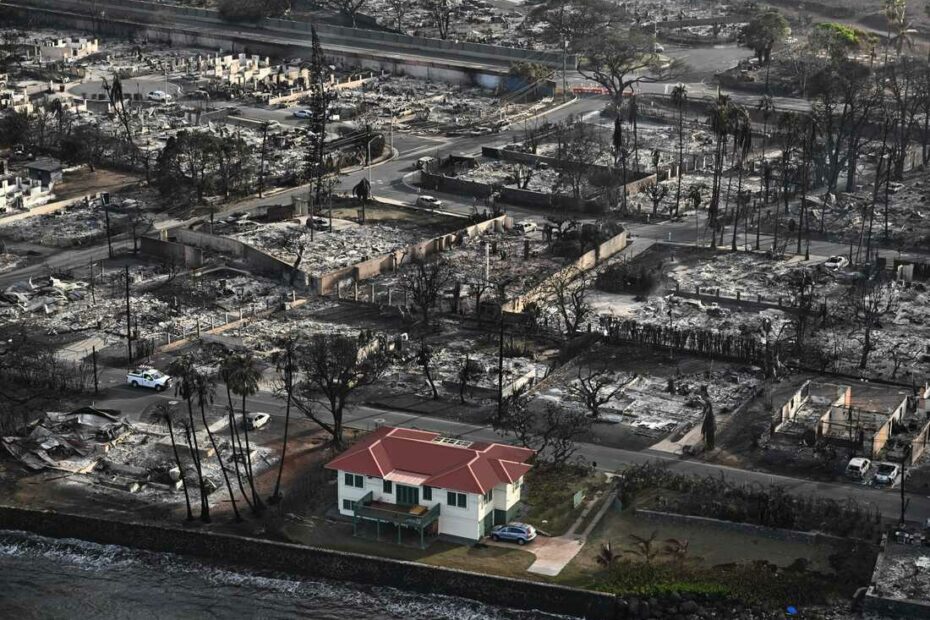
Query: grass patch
(549, 496)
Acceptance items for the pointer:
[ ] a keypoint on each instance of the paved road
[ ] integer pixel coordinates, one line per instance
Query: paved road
(134, 403)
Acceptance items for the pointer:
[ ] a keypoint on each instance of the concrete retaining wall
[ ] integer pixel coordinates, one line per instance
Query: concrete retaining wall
(326, 283)
(255, 259)
(583, 263)
(812, 538)
(315, 563)
(176, 253)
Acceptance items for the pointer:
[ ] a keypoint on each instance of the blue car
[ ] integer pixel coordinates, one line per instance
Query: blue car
(519, 532)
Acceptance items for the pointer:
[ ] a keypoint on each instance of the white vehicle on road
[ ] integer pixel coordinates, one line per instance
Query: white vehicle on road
(303, 113)
(148, 378)
(159, 96)
(256, 420)
(429, 202)
(835, 263)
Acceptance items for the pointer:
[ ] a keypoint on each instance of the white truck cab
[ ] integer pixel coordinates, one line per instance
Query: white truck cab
(148, 378)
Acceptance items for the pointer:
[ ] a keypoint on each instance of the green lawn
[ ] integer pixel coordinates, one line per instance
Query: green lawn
(548, 497)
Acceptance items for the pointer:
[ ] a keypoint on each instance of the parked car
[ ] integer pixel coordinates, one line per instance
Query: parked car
(658, 48)
(525, 227)
(317, 223)
(303, 113)
(256, 420)
(429, 202)
(857, 468)
(521, 533)
(148, 378)
(426, 163)
(835, 263)
(886, 475)
(159, 96)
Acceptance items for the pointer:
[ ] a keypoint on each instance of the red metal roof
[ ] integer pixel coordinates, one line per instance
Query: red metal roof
(474, 468)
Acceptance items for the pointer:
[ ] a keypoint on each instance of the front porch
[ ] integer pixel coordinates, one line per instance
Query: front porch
(399, 516)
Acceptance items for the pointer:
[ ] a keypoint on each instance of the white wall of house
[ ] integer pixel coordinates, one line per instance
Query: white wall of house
(455, 521)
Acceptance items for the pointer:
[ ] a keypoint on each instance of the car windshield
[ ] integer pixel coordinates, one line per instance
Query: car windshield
(155, 374)
(885, 469)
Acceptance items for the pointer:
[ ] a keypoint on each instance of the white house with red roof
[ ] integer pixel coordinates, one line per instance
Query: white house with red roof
(430, 483)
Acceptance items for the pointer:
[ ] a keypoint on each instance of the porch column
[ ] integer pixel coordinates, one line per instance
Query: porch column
(399, 530)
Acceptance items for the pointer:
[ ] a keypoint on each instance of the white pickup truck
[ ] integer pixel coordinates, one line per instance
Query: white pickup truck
(149, 378)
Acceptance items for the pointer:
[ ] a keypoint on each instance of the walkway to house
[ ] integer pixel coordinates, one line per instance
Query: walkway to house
(553, 554)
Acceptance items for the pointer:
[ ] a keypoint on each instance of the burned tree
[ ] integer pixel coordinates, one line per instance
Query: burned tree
(425, 281)
(320, 99)
(332, 368)
(709, 423)
(568, 291)
(594, 389)
(425, 360)
(871, 299)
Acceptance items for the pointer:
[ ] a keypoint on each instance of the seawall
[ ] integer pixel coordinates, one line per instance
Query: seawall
(314, 562)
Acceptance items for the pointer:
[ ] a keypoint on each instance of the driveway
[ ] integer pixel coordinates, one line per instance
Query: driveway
(552, 554)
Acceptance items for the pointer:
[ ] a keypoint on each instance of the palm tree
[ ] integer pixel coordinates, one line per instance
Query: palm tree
(165, 414)
(679, 98)
(644, 547)
(606, 556)
(719, 120)
(206, 389)
(183, 369)
(243, 381)
(788, 130)
(742, 145)
(227, 367)
(285, 360)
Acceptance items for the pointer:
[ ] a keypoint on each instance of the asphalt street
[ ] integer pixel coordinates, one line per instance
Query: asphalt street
(135, 403)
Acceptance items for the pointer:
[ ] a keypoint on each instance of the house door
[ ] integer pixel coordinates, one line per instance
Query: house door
(407, 496)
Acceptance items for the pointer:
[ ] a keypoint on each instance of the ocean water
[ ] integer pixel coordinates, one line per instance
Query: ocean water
(46, 578)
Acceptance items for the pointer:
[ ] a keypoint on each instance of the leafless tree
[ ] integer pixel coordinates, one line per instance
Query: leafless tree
(425, 360)
(399, 10)
(568, 290)
(871, 299)
(349, 8)
(441, 14)
(424, 282)
(332, 368)
(594, 388)
(554, 433)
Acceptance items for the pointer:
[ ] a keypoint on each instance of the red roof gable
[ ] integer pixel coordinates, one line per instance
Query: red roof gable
(472, 468)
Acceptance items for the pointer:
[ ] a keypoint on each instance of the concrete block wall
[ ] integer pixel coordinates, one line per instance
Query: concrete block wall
(326, 283)
(177, 253)
(585, 262)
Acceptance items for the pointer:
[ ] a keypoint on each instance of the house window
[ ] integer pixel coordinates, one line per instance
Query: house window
(488, 496)
(456, 499)
(353, 480)
(427, 494)
(388, 486)
(348, 504)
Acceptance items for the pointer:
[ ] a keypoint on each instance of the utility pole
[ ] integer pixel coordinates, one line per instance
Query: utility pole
(500, 373)
(565, 70)
(128, 319)
(93, 295)
(261, 169)
(106, 213)
(93, 353)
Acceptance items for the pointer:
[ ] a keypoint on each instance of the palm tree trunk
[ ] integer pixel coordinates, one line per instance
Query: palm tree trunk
(204, 504)
(257, 504)
(177, 459)
(237, 449)
(681, 159)
(216, 449)
(276, 496)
